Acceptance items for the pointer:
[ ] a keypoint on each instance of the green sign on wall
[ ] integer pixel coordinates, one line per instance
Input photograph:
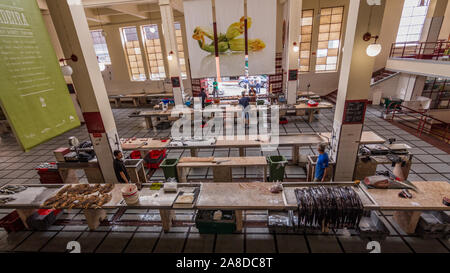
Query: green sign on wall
(33, 93)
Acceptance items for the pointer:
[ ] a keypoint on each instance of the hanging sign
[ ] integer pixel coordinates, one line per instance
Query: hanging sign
(33, 93)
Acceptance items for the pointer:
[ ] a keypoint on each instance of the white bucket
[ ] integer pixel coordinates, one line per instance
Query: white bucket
(130, 194)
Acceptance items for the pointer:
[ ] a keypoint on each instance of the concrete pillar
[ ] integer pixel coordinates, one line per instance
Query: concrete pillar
(354, 85)
(388, 32)
(294, 9)
(73, 33)
(433, 23)
(170, 42)
(444, 33)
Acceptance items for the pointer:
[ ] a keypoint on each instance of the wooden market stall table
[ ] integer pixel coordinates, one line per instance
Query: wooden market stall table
(174, 114)
(222, 166)
(137, 98)
(310, 110)
(67, 170)
(243, 196)
(407, 211)
(368, 166)
(242, 142)
(239, 197)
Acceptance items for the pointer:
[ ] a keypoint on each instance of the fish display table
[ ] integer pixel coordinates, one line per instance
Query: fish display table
(242, 196)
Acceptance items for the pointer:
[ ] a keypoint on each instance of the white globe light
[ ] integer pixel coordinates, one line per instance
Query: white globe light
(152, 30)
(102, 66)
(170, 57)
(296, 48)
(66, 70)
(373, 50)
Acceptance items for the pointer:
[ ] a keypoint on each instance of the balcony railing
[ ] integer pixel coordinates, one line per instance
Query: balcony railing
(420, 50)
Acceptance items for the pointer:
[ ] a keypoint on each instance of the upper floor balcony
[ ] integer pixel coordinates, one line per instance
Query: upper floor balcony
(421, 58)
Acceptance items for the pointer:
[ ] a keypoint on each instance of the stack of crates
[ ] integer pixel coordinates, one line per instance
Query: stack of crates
(154, 158)
(49, 174)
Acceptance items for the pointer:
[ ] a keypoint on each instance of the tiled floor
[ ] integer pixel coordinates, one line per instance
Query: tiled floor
(17, 167)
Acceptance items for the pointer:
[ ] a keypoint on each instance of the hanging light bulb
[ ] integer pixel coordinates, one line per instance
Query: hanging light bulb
(67, 70)
(295, 48)
(373, 50)
(102, 66)
(152, 30)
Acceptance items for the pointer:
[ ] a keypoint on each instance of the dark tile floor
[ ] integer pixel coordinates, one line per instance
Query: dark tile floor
(17, 167)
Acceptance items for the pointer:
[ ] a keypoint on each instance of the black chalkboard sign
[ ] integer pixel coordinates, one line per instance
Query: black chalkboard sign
(175, 82)
(354, 111)
(293, 74)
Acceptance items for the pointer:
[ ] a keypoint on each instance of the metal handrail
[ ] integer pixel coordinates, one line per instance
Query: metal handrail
(424, 119)
(419, 50)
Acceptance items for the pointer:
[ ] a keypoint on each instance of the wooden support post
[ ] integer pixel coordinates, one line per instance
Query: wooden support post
(94, 217)
(24, 214)
(295, 154)
(194, 152)
(167, 216)
(265, 174)
(311, 116)
(94, 175)
(148, 122)
(239, 220)
(136, 102)
(182, 174)
(242, 151)
(69, 176)
(117, 102)
(407, 220)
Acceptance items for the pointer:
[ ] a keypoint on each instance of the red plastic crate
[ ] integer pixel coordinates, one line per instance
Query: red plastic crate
(12, 222)
(135, 154)
(154, 158)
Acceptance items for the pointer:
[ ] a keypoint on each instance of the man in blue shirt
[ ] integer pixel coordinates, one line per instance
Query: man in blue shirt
(244, 101)
(322, 164)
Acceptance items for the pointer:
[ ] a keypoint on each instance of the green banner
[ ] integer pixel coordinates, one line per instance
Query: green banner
(33, 93)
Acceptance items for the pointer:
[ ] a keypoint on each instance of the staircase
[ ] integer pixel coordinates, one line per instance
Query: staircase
(381, 75)
(377, 77)
(331, 97)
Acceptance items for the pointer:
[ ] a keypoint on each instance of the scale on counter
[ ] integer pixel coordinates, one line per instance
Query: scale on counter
(80, 152)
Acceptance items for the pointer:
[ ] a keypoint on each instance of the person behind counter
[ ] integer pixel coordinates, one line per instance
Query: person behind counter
(204, 96)
(119, 168)
(322, 164)
(244, 102)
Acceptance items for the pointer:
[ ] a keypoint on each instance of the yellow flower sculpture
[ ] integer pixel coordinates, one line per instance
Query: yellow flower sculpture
(229, 41)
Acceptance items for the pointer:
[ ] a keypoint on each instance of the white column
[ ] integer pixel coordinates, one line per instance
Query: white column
(170, 42)
(73, 33)
(354, 84)
(295, 14)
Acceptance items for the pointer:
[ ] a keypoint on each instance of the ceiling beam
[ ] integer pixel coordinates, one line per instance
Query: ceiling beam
(104, 3)
(130, 10)
(177, 5)
(93, 16)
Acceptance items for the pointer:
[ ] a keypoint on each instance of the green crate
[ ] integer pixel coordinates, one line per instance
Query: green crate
(395, 103)
(169, 166)
(276, 167)
(205, 223)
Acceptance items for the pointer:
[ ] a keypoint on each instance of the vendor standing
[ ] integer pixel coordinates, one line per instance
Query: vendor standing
(244, 101)
(119, 168)
(204, 96)
(322, 164)
(215, 88)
